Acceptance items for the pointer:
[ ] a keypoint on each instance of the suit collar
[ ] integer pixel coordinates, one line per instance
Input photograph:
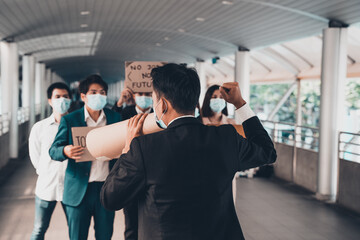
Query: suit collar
(183, 121)
(82, 116)
(110, 117)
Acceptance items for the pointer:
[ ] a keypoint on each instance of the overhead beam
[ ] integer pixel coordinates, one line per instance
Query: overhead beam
(281, 60)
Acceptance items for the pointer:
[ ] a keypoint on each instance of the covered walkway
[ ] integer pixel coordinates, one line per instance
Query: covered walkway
(288, 46)
(269, 210)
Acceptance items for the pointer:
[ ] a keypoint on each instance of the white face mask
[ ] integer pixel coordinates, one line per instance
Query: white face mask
(160, 122)
(61, 105)
(217, 104)
(96, 101)
(143, 101)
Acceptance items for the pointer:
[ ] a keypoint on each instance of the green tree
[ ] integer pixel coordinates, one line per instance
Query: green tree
(353, 94)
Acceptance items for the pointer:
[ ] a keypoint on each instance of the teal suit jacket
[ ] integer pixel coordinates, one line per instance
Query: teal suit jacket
(77, 174)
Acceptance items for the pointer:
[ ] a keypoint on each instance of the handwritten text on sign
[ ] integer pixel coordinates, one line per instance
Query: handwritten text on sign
(137, 75)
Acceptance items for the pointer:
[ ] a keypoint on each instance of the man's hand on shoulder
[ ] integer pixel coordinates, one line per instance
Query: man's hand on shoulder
(232, 94)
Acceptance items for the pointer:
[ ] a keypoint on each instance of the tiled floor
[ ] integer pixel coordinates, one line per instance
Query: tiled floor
(17, 210)
(277, 210)
(267, 210)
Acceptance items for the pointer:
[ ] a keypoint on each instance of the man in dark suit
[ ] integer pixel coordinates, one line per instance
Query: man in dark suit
(183, 175)
(83, 180)
(143, 104)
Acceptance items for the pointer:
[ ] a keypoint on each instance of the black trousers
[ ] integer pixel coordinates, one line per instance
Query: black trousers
(131, 221)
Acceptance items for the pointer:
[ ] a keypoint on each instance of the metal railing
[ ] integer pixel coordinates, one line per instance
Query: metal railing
(23, 114)
(292, 134)
(349, 146)
(4, 123)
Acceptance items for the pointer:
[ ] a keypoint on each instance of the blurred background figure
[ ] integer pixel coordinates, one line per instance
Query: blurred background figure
(214, 111)
(135, 103)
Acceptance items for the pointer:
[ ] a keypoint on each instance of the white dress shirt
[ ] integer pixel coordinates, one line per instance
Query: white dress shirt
(99, 169)
(50, 182)
(244, 113)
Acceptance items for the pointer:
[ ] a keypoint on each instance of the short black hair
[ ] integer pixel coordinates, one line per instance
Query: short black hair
(94, 78)
(58, 85)
(179, 85)
(206, 110)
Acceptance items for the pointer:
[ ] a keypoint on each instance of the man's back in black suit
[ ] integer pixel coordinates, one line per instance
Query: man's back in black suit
(183, 175)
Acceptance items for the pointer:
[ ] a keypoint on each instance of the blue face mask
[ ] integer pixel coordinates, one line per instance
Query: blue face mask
(197, 112)
(143, 102)
(61, 105)
(96, 101)
(160, 122)
(217, 104)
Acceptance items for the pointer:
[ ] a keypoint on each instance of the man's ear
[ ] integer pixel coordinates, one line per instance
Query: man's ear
(82, 96)
(166, 105)
(50, 103)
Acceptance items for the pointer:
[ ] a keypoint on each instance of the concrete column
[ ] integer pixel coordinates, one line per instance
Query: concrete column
(242, 72)
(297, 139)
(10, 86)
(333, 76)
(242, 76)
(5, 77)
(200, 68)
(28, 97)
(50, 78)
(53, 78)
(39, 87)
(298, 115)
(38, 68)
(43, 96)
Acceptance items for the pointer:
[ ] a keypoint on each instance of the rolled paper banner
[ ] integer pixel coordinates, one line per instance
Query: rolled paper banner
(107, 142)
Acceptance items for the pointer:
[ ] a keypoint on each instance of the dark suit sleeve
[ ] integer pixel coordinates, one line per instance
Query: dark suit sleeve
(56, 150)
(126, 179)
(257, 149)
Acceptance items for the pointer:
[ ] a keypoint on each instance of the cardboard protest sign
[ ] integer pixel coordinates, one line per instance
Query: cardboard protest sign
(79, 139)
(137, 75)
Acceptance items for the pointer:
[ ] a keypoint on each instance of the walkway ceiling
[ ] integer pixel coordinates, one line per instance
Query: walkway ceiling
(79, 37)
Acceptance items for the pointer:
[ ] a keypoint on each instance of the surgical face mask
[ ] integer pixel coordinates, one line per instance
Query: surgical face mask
(61, 105)
(160, 122)
(217, 104)
(96, 101)
(143, 101)
(197, 112)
